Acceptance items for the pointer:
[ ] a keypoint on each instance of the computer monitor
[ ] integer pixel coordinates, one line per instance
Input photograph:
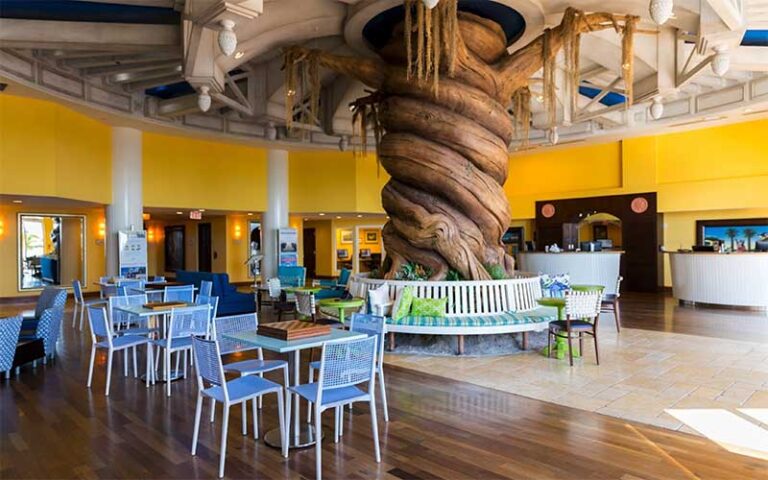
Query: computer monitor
(761, 246)
(590, 246)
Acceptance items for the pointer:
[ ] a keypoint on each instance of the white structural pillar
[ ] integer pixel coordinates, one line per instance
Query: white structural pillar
(125, 211)
(276, 216)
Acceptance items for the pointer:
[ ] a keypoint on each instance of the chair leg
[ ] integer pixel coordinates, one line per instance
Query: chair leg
(336, 421)
(255, 408)
(570, 347)
(375, 429)
(525, 340)
(168, 372)
(310, 405)
(244, 409)
(213, 410)
(90, 368)
(198, 414)
(549, 343)
(581, 343)
(149, 365)
(383, 390)
(125, 362)
(135, 364)
(617, 316)
(82, 317)
(288, 404)
(283, 423)
(224, 428)
(460, 344)
(74, 316)
(318, 444)
(109, 371)
(597, 354)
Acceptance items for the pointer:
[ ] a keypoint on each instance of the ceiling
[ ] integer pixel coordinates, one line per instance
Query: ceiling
(147, 60)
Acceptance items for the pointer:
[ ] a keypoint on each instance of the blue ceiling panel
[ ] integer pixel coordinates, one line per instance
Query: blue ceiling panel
(71, 11)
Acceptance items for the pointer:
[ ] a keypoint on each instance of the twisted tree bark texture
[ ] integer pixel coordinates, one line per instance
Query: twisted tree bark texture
(447, 151)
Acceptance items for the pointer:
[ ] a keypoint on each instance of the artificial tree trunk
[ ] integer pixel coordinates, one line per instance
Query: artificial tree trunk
(446, 149)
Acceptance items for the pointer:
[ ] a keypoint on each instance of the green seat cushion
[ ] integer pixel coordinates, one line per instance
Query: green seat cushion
(539, 315)
(429, 307)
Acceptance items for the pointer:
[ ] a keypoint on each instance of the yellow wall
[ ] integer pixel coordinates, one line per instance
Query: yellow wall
(49, 150)
(325, 258)
(713, 173)
(8, 244)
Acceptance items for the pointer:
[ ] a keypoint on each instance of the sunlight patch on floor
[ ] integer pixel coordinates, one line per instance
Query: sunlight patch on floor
(732, 432)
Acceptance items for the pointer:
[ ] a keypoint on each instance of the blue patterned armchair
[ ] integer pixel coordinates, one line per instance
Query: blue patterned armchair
(9, 337)
(50, 297)
(48, 329)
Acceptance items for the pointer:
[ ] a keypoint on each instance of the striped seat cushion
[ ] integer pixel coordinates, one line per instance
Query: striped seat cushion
(539, 315)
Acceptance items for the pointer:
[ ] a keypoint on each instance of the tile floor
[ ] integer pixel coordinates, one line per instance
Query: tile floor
(642, 373)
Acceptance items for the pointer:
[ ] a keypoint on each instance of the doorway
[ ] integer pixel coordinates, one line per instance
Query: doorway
(204, 259)
(310, 252)
(174, 248)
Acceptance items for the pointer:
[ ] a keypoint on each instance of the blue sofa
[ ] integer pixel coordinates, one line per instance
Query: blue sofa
(230, 300)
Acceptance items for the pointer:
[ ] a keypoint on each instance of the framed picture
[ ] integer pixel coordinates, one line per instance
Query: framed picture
(342, 253)
(346, 236)
(365, 253)
(600, 232)
(739, 235)
(372, 237)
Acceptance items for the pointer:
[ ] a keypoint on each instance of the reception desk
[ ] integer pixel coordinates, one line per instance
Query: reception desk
(586, 268)
(736, 279)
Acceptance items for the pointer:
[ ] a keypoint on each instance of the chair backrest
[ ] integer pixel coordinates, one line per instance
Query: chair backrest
(346, 363)
(344, 276)
(182, 293)
(132, 283)
(77, 292)
(208, 300)
(618, 286)
(190, 321)
(49, 327)
(305, 303)
(292, 276)
(373, 326)
(9, 337)
(247, 322)
(117, 316)
(208, 364)
(100, 325)
(50, 297)
(275, 288)
(582, 304)
(206, 287)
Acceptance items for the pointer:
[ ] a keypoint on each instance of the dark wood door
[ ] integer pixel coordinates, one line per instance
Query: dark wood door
(310, 252)
(204, 260)
(174, 248)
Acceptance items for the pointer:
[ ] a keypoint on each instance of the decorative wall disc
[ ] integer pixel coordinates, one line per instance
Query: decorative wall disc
(639, 205)
(548, 210)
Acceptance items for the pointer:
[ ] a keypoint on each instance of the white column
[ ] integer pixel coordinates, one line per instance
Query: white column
(125, 211)
(276, 216)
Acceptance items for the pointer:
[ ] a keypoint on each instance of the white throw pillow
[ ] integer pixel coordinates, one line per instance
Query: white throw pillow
(379, 299)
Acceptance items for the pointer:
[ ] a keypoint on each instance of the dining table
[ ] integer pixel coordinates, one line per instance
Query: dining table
(302, 434)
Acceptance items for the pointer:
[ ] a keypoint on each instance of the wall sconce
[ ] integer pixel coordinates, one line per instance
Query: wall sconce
(151, 234)
(238, 231)
(2, 227)
(102, 230)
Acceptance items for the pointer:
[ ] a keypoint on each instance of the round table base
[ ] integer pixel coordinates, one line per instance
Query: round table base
(305, 438)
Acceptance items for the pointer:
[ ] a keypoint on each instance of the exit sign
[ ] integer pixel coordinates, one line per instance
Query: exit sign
(196, 215)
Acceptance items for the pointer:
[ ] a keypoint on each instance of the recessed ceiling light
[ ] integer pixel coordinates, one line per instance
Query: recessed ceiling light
(250, 214)
(321, 214)
(18, 201)
(306, 219)
(338, 217)
(239, 55)
(359, 216)
(200, 209)
(179, 213)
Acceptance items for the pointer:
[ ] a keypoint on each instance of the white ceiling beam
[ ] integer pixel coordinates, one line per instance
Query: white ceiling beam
(47, 34)
(177, 107)
(753, 59)
(143, 85)
(731, 12)
(112, 59)
(131, 67)
(129, 77)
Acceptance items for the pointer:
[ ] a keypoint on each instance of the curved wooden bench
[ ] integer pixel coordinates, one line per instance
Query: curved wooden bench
(474, 307)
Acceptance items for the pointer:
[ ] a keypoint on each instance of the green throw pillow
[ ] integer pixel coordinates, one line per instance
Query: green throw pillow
(403, 303)
(429, 307)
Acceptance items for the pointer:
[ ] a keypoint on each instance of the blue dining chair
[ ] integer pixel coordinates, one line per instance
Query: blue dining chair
(122, 321)
(247, 322)
(344, 365)
(373, 326)
(206, 287)
(9, 338)
(183, 325)
(103, 337)
(81, 303)
(207, 300)
(212, 384)
(182, 293)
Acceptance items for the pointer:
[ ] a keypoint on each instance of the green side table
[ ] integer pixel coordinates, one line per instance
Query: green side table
(302, 289)
(587, 288)
(561, 344)
(341, 305)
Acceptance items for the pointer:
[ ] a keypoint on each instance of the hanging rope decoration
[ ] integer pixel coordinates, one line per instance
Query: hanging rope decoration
(436, 32)
(521, 108)
(302, 80)
(549, 89)
(628, 56)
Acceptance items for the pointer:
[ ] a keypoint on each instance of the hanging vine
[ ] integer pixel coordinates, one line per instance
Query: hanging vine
(436, 33)
(521, 108)
(627, 57)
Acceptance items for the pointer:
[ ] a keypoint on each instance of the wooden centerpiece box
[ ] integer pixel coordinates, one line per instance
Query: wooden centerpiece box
(293, 330)
(163, 305)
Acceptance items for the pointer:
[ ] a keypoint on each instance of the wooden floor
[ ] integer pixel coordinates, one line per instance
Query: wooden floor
(52, 426)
